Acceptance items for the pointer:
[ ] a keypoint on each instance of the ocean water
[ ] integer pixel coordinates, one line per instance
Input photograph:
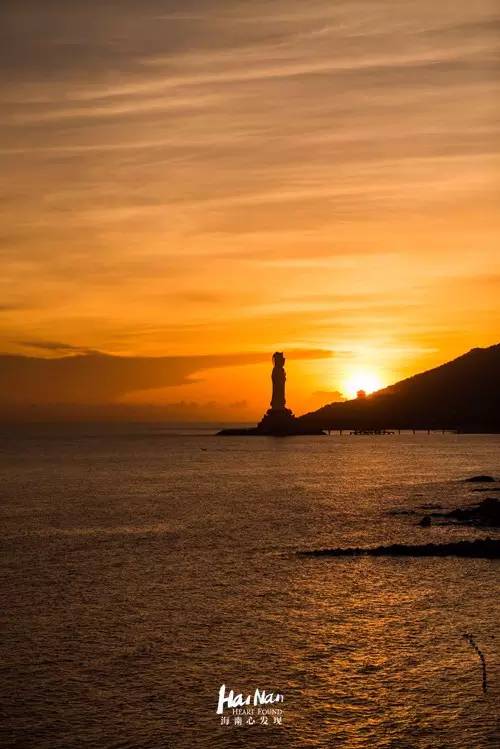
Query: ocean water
(143, 569)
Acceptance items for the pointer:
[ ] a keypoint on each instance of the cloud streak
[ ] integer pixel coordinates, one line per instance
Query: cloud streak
(91, 377)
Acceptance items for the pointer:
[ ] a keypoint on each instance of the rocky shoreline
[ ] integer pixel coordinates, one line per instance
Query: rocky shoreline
(483, 514)
(486, 548)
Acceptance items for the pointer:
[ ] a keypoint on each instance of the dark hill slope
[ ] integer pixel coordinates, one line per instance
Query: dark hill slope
(463, 394)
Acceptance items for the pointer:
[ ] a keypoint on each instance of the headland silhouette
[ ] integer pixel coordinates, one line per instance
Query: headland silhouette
(462, 396)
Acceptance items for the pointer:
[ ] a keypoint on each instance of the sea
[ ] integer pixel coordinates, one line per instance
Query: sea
(146, 567)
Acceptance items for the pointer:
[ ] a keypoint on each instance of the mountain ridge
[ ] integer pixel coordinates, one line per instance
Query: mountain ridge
(462, 394)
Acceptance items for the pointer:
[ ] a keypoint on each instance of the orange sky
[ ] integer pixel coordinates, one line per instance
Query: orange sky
(220, 178)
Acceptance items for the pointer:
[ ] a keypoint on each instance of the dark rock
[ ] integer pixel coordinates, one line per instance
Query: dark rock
(486, 548)
(486, 513)
(425, 522)
(489, 510)
(481, 479)
(401, 512)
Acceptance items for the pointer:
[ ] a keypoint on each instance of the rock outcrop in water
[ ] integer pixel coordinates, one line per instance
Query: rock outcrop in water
(486, 513)
(481, 479)
(486, 548)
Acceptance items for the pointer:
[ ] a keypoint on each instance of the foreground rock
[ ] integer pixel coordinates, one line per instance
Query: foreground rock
(487, 548)
(480, 480)
(486, 513)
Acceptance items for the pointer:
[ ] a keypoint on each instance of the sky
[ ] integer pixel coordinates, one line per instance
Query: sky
(187, 187)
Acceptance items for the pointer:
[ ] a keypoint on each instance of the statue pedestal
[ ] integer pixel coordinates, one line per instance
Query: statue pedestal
(277, 420)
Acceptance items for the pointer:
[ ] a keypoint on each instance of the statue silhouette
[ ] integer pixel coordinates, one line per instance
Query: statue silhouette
(278, 378)
(278, 420)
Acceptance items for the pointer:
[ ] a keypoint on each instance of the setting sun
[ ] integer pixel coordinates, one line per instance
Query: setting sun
(361, 379)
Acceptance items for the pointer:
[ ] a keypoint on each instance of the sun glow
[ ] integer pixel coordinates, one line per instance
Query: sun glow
(367, 380)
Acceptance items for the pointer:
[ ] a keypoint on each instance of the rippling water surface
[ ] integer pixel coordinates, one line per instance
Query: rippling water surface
(142, 569)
